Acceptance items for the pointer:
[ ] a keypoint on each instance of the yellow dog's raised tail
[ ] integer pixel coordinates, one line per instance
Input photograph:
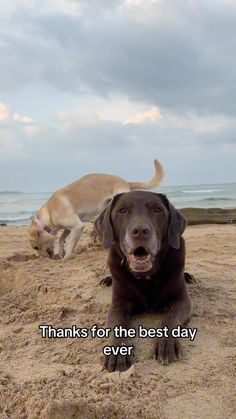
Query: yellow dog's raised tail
(154, 182)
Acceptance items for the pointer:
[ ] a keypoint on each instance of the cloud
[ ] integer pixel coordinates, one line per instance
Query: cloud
(153, 114)
(197, 123)
(108, 85)
(44, 7)
(31, 130)
(14, 131)
(174, 58)
(7, 114)
(187, 121)
(4, 113)
(62, 152)
(22, 118)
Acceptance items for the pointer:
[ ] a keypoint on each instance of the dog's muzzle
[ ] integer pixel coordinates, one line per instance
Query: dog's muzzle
(140, 261)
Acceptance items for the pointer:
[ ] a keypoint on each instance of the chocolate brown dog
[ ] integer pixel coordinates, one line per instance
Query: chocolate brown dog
(146, 260)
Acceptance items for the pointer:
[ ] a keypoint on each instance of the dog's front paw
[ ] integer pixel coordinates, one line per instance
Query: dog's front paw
(189, 278)
(56, 256)
(61, 253)
(107, 281)
(69, 257)
(117, 362)
(168, 350)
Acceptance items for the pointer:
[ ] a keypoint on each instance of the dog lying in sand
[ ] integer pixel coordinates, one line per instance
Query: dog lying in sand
(68, 208)
(143, 232)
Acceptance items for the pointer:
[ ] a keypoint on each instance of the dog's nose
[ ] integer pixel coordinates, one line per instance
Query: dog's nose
(140, 231)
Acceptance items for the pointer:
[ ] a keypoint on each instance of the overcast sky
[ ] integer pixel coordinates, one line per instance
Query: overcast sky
(107, 86)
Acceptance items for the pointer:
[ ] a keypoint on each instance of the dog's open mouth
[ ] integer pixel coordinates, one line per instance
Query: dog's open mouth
(140, 260)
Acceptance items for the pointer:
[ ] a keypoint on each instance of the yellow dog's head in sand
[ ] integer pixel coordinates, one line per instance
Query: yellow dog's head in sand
(41, 241)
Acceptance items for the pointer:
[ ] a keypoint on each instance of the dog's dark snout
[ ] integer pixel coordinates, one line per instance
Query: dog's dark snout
(140, 231)
(50, 253)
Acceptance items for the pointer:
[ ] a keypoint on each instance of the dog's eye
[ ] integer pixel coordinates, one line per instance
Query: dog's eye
(157, 209)
(123, 210)
(36, 248)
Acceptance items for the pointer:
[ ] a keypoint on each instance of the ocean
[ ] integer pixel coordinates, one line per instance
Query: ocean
(17, 208)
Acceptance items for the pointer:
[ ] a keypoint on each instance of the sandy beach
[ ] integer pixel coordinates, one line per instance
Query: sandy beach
(63, 378)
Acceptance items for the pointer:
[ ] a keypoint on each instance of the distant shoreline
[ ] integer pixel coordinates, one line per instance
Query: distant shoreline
(194, 216)
(200, 203)
(11, 193)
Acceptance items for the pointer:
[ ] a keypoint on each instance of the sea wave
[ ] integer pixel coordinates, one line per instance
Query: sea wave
(14, 220)
(14, 217)
(202, 191)
(217, 199)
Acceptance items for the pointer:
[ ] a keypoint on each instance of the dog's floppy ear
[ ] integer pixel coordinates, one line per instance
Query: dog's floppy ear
(177, 224)
(33, 232)
(103, 227)
(103, 224)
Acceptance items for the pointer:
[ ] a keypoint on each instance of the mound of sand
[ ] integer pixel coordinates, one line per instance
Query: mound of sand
(63, 378)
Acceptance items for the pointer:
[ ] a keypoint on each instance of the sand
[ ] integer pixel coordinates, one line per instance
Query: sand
(63, 378)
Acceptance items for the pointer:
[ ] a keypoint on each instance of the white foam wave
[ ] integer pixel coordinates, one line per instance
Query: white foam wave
(203, 191)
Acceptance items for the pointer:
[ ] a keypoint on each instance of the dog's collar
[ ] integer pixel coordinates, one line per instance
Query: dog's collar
(44, 227)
